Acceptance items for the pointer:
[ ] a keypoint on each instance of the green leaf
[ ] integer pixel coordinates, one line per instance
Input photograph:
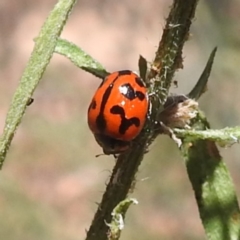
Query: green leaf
(40, 58)
(213, 186)
(201, 85)
(80, 58)
(223, 137)
(118, 214)
(142, 65)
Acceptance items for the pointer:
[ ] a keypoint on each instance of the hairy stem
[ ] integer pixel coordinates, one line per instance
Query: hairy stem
(122, 179)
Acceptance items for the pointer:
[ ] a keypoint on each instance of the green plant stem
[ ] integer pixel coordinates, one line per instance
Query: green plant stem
(40, 57)
(224, 136)
(123, 175)
(213, 186)
(169, 54)
(120, 183)
(168, 57)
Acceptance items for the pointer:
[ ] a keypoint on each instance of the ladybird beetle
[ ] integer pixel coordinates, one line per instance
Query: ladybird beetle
(118, 111)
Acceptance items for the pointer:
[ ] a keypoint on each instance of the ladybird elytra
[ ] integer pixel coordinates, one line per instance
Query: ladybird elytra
(119, 107)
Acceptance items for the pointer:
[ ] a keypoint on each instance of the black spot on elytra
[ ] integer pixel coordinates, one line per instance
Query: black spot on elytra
(130, 93)
(125, 123)
(118, 110)
(124, 72)
(92, 105)
(140, 95)
(101, 121)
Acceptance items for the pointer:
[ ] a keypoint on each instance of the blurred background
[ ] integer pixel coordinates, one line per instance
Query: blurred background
(51, 180)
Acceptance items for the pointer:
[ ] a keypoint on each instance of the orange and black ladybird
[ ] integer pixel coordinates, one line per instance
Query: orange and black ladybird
(118, 111)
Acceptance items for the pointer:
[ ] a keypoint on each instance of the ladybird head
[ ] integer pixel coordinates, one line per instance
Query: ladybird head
(111, 145)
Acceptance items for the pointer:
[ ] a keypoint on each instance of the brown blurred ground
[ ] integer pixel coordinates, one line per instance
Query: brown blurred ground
(51, 179)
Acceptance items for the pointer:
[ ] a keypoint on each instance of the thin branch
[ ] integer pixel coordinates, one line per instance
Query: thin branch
(122, 179)
(120, 183)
